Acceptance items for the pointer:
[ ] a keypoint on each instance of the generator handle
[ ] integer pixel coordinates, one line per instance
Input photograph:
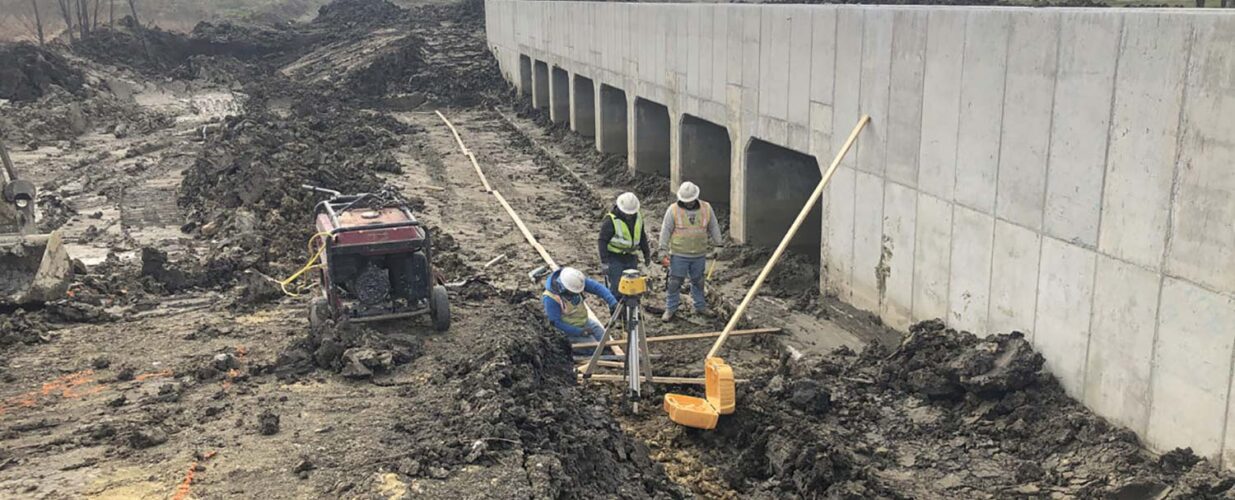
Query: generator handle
(316, 189)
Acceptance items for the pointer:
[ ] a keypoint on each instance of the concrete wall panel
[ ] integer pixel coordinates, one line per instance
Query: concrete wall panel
(720, 54)
(905, 96)
(1192, 369)
(1144, 132)
(838, 207)
(945, 48)
(867, 241)
(801, 23)
(1028, 100)
(1202, 243)
(981, 115)
(1088, 51)
(876, 80)
(932, 254)
(1014, 278)
(777, 33)
(848, 87)
(1117, 373)
(969, 278)
(1065, 294)
(823, 56)
(897, 260)
(707, 38)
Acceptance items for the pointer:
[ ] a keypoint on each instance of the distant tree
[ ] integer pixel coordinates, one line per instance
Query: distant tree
(66, 10)
(38, 20)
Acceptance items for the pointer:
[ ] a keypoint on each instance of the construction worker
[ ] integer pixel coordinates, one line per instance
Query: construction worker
(622, 235)
(563, 302)
(684, 235)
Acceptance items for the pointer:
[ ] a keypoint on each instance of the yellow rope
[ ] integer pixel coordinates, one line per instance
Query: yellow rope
(313, 263)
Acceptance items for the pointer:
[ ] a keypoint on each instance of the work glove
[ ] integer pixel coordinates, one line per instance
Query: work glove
(613, 308)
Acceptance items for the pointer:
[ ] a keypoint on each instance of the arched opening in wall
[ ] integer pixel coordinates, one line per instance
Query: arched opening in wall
(584, 106)
(778, 182)
(559, 96)
(705, 151)
(540, 85)
(525, 75)
(611, 138)
(651, 153)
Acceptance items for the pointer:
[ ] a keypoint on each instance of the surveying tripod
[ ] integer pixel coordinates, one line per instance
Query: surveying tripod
(638, 363)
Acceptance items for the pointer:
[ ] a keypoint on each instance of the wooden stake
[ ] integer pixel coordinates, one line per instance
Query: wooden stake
(688, 336)
(611, 377)
(784, 242)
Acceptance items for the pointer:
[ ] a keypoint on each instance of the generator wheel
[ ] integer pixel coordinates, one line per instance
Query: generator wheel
(439, 308)
(319, 312)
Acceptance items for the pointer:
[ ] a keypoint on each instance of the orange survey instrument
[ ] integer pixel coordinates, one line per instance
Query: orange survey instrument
(718, 376)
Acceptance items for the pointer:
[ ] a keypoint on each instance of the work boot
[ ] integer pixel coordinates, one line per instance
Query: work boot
(668, 315)
(705, 312)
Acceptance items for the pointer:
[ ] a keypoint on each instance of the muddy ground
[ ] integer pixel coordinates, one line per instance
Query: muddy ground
(177, 368)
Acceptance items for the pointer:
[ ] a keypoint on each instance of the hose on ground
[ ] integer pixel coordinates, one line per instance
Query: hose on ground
(313, 263)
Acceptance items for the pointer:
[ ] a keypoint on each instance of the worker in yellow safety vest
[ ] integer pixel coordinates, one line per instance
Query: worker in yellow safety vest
(564, 306)
(689, 226)
(622, 239)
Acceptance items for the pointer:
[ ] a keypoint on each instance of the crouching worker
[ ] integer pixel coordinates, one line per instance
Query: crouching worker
(564, 306)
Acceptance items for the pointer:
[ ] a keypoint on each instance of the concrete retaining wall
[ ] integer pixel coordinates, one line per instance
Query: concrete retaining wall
(1064, 172)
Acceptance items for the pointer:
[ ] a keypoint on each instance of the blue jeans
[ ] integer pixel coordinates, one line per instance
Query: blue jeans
(594, 331)
(613, 273)
(681, 268)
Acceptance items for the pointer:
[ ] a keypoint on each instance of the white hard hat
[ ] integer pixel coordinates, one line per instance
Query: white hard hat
(688, 192)
(628, 203)
(572, 279)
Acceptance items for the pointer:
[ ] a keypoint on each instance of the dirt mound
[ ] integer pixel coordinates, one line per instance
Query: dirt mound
(28, 72)
(245, 190)
(353, 350)
(59, 116)
(358, 13)
(512, 392)
(146, 49)
(245, 40)
(939, 363)
(22, 327)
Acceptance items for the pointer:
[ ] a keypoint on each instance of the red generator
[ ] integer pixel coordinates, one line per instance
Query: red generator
(377, 261)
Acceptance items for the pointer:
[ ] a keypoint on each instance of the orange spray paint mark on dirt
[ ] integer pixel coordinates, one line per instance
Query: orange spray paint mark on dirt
(186, 485)
(160, 373)
(75, 385)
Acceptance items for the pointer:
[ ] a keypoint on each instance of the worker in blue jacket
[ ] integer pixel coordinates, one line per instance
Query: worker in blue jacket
(563, 302)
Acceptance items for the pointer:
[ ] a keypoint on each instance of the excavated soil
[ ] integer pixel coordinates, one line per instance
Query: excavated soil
(176, 368)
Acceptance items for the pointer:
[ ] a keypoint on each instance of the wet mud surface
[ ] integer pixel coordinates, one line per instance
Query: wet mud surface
(175, 368)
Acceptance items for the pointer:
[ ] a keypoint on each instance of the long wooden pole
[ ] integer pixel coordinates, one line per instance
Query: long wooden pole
(784, 242)
(527, 234)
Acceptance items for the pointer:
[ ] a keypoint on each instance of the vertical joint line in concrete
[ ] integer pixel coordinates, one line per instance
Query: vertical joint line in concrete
(955, 166)
(1110, 130)
(1110, 125)
(1166, 244)
(883, 176)
(853, 237)
(917, 162)
(1003, 107)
